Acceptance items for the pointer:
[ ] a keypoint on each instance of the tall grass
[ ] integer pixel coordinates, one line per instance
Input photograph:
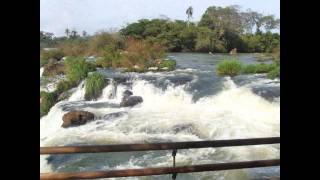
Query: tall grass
(229, 67)
(47, 101)
(275, 73)
(77, 69)
(94, 85)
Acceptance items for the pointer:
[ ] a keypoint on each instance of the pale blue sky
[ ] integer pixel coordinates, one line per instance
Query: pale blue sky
(96, 15)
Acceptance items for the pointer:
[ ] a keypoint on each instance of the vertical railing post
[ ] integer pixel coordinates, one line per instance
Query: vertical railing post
(174, 153)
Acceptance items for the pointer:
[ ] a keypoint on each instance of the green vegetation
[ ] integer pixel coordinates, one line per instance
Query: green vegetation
(47, 101)
(168, 64)
(63, 86)
(235, 67)
(77, 69)
(53, 68)
(110, 58)
(219, 30)
(264, 68)
(230, 67)
(275, 73)
(94, 85)
(55, 54)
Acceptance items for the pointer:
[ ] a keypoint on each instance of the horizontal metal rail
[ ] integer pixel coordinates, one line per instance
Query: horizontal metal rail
(157, 146)
(161, 170)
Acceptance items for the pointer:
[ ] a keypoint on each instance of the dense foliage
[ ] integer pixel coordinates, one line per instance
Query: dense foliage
(219, 30)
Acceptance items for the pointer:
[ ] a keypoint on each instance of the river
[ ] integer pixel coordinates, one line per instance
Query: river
(191, 103)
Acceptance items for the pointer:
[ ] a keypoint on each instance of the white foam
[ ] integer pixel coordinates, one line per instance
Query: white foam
(236, 112)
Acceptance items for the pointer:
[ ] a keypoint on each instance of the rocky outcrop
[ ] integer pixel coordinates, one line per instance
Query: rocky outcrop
(129, 100)
(76, 118)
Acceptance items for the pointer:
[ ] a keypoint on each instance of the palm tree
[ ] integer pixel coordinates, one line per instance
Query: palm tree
(189, 13)
(67, 31)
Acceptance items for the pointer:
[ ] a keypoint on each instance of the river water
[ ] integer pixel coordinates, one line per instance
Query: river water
(191, 103)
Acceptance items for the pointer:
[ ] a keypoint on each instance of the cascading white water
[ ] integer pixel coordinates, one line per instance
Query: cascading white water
(41, 71)
(236, 112)
(79, 93)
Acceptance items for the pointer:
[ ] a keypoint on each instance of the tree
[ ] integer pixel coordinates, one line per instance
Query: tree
(189, 13)
(67, 31)
(260, 21)
(84, 33)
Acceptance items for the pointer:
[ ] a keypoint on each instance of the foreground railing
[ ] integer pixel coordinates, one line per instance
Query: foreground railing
(160, 146)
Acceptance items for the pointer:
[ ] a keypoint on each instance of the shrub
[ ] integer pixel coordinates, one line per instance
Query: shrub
(111, 57)
(97, 44)
(52, 54)
(63, 86)
(264, 68)
(249, 69)
(274, 73)
(43, 62)
(230, 67)
(94, 85)
(47, 101)
(169, 64)
(140, 54)
(77, 69)
(73, 47)
(53, 68)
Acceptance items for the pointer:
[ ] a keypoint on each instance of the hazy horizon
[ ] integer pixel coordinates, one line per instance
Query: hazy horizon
(97, 15)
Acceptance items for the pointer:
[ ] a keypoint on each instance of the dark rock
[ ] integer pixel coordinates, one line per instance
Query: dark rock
(76, 118)
(114, 115)
(127, 93)
(131, 101)
(183, 127)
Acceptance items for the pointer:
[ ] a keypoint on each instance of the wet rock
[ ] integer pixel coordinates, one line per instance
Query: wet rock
(127, 93)
(131, 101)
(76, 118)
(114, 115)
(183, 127)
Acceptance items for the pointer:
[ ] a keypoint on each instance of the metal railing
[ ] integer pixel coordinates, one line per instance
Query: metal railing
(174, 146)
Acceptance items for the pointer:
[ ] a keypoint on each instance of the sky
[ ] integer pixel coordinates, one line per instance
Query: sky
(101, 15)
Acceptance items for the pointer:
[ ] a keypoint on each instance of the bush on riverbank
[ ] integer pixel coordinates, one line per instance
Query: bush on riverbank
(235, 67)
(94, 85)
(111, 57)
(47, 101)
(63, 86)
(230, 67)
(52, 54)
(258, 68)
(53, 68)
(275, 73)
(77, 69)
(168, 64)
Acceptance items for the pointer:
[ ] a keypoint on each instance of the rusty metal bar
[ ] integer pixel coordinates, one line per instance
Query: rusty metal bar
(160, 170)
(174, 153)
(158, 146)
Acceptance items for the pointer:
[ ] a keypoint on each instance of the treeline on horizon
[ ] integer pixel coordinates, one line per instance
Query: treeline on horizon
(219, 30)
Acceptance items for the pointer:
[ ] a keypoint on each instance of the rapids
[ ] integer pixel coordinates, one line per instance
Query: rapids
(188, 104)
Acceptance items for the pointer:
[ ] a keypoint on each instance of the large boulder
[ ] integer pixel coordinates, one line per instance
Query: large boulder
(76, 118)
(131, 101)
